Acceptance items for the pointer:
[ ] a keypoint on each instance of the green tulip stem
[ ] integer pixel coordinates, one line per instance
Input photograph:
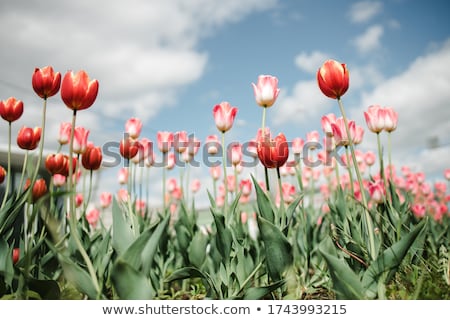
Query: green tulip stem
(368, 218)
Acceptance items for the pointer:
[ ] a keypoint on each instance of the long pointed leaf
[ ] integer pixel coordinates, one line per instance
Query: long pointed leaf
(129, 283)
(277, 248)
(390, 259)
(346, 283)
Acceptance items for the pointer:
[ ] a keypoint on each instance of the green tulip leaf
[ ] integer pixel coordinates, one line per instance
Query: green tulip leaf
(129, 283)
(264, 204)
(123, 235)
(346, 284)
(261, 292)
(390, 259)
(278, 250)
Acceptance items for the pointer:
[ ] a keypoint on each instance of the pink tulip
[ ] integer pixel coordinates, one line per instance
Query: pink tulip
(180, 141)
(390, 119)
(266, 90)
(122, 176)
(58, 180)
(80, 140)
(213, 144)
(340, 133)
(236, 154)
(326, 122)
(246, 187)
(195, 185)
(215, 172)
(105, 199)
(224, 115)
(92, 217)
(377, 191)
(297, 145)
(375, 118)
(369, 158)
(133, 127)
(65, 129)
(164, 141)
(447, 174)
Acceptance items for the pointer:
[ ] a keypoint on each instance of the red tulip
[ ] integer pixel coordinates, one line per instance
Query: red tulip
(39, 189)
(128, 148)
(77, 91)
(15, 255)
(224, 115)
(2, 174)
(11, 109)
(92, 158)
(266, 90)
(333, 79)
(46, 82)
(28, 138)
(273, 153)
(56, 163)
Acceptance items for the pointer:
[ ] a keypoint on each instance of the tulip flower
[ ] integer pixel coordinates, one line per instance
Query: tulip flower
(92, 217)
(78, 91)
(212, 143)
(122, 176)
(326, 122)
(2, 174)
(375, 118)
(390, 119)
(39, 189)
(128, 148)
(58, 180)
(236, 154)
(56, 163)
(339, 132)
(11, 109)
(333, 79)
(28, 138)
(92, 158)
(297, 145)
(80, 140)
(65, 129)
(266, 90)
(180, 141)
(273, 153)
(224, 115)
(133, 127)
(164, 140)
(15, 255)
(46, 82)
(105, 199)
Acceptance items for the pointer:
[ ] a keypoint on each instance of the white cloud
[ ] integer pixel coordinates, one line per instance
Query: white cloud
(304, 104)
(142, 52)
(311, 62)
(364, 11)
(370, 39)
(420, 95)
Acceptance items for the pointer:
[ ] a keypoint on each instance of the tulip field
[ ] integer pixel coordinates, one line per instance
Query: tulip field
(339, 223)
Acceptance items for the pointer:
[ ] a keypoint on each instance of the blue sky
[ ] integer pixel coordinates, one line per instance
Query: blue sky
(170, 62)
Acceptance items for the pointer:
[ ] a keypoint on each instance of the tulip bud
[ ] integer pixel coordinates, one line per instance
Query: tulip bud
(333, 79)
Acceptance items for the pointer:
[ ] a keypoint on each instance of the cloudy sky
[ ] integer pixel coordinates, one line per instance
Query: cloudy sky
(170, 62)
